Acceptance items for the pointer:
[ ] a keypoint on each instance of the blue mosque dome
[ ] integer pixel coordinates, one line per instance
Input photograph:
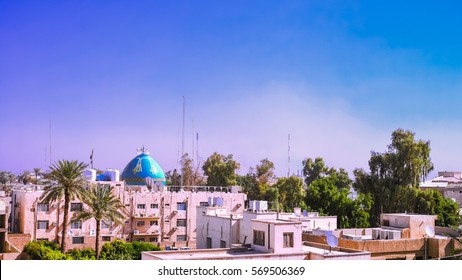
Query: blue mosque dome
(143, 169)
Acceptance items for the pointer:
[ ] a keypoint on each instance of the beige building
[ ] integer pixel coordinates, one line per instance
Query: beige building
(254, 234)
(161, 217)
(401, 236)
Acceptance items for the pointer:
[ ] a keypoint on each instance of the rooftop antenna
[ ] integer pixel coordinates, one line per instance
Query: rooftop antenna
(197, 146)
(288, 155)
(91, 158)
(192, 134)
(50, 142)
(182, 139)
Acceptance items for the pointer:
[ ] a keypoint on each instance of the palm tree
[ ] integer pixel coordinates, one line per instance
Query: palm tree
(103, 205)
(36, 171)
(67, 182)
(24, 177)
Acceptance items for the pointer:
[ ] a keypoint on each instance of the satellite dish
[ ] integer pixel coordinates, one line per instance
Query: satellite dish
(429, 231)
(332, 240)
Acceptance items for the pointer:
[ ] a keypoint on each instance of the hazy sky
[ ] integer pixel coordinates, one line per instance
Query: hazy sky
(339, 76)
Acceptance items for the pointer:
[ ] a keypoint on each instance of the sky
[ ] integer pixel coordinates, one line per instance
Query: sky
(338, 76)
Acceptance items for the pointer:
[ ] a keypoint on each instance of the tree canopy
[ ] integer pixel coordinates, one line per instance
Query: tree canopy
(394, 177)
(221, 170)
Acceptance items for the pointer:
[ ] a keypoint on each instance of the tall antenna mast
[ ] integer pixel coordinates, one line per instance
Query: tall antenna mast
(288, 155)
(197, 146)
(182, 139)
(50, 142)
(192, 134)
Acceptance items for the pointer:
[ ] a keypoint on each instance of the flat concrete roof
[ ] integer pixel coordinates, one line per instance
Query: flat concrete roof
(237, 253)
(275, 221)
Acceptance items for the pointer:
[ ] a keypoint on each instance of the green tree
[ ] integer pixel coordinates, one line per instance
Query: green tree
(405, 163)
(326, 198)
(317, 169)
(258, 181)
(67, 182)
(221, 170)
(103, 205)
(290, 193)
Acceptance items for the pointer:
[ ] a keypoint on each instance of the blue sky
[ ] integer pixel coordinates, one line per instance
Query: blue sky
(339, 76)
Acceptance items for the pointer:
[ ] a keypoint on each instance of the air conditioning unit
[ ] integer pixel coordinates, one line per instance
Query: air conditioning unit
(111, 233)
(70, 233)
(54, 224)
(92, 232)
(136, 231)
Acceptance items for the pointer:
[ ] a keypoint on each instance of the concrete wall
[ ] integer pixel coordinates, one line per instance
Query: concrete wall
(396, 249)
(278, 231)
(218, 228)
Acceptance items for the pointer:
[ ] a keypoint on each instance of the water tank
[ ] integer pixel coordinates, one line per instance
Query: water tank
(384, 234)
(90, 174)
(252, 205)
(376, 233)
(261, 205)
(113, 174)
(219, 201)
(298, 211)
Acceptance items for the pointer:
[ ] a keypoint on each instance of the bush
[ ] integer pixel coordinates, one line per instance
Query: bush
(44, 250)
(84, 254)
(120, 250)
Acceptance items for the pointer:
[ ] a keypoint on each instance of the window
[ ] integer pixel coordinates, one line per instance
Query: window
(209, 243)
(259, 237)
(154, 206)
(77, 240)
(181, 206)
(76, 225)
(43, 207)
(204, 203)
(222, 244)
(181, 237)
(153, 239)
(76, 207)
(42, 239)
(153, 223)
(42, 224)
(106, 238)
(141, 206)
(140, 223)
(181, 222)
(140, 239)
(288, 239)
